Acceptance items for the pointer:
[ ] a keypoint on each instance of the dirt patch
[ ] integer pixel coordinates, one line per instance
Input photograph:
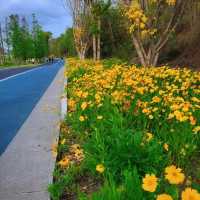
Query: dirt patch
(86, 184)
(190, 57)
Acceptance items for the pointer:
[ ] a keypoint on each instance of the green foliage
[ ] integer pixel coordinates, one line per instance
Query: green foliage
(110, 142)
(108, 63)
(123, 143)
(16, 37)
(40, 40)
(123, 191)
(63, 45)
(108, 192)
(26, 44)
(63, 179)
(116, 42)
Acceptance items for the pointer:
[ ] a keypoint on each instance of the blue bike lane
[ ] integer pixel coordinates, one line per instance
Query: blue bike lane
(18, 96)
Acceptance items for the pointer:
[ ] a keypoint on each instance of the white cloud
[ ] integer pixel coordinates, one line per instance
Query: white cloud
(50, 13)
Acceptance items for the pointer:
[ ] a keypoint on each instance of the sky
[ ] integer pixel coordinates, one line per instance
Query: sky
(52, 15)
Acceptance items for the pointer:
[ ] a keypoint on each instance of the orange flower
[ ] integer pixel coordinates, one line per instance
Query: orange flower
(190, 194)
(146, 110)
(156, 99)
(64, 162)
(164, 197)
(174, 175)
(192, 120)
(150, 183)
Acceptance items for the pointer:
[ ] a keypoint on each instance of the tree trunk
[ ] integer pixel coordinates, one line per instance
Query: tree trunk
(146, 59)
(94, 47)
(139, 52)
(155, 59)
(81, 54)
(2, 50)
(99, 40)
(111, 36)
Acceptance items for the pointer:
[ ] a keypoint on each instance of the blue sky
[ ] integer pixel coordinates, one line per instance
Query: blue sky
(51, 14)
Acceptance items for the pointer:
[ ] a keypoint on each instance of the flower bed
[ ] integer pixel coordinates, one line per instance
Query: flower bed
(130, 133)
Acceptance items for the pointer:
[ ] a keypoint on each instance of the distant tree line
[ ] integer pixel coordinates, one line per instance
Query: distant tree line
(21, 41)
(63, 45)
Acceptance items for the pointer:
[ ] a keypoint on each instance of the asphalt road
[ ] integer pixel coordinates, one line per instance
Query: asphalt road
(13, 71)
(19, 94)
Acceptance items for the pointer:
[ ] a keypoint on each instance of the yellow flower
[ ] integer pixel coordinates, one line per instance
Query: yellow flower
(74, 147)
(155, 99)
(82, 118)
(164, 197)
(84, 105)
(166, 147)
(84, 94)
(150, 116)
(97, 98)
(142, 25)
(196, 129)
(99, 117)
(150, 183)
(144, 33)
(149, 136)
(171, 2)
(190, 194)
(174, 175)
(195, 99)
(79, 155)
(144, 19)
(100, 168)
(71, 104)
(63, 141)
(64, 162)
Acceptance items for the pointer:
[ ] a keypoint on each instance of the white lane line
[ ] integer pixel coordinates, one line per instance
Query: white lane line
(19, 74)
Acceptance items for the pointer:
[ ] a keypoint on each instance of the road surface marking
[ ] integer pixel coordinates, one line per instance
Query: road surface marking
(21, 73)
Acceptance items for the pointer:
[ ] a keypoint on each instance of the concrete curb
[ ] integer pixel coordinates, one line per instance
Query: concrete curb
(64, 101)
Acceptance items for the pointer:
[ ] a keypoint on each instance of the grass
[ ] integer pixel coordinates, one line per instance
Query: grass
(129, 130)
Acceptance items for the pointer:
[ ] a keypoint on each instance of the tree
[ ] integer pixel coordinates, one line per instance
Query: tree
(2, 49)
(81, 22)
(63, 45)
(40, 39)
(115, 39)
(98, 10)
(27, 42)
(7, 36)
(16, 37)
(150, 23)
